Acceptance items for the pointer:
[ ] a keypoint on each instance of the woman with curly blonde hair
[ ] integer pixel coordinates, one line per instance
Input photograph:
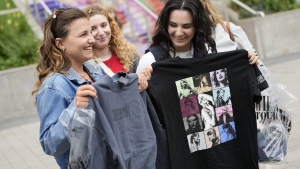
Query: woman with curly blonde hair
(111, 47)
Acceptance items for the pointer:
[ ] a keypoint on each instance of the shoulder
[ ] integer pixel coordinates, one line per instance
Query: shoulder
(94, 69)
(54, 81)
(240, 37)
(234, 26)
(57, 85)
(237, 31)
(149, 55)
(154, 48)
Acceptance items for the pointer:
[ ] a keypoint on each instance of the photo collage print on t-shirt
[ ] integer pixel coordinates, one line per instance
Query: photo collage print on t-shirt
(207, 114)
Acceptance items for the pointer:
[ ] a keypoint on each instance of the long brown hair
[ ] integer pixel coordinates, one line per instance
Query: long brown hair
(118, 44)
(52, 58)
(216, 17)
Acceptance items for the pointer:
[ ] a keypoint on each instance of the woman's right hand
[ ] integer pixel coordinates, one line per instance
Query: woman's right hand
(82, 94)
(253, 58)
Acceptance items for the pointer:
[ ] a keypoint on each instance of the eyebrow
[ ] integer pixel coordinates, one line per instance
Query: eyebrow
(185, 24)
(83, 32)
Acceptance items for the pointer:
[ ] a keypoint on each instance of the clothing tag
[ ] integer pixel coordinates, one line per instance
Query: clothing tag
(123, 80)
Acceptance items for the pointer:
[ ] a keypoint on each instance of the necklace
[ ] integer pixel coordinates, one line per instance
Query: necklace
(84, 77)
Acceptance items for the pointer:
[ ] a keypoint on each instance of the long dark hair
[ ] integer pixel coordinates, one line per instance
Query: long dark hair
(203, 25)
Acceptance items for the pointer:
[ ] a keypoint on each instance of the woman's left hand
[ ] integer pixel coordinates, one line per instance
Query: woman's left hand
(253, 58)
(143, 83)
(147, 71)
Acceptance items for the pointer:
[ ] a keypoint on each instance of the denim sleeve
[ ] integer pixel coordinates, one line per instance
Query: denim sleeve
(50, 104)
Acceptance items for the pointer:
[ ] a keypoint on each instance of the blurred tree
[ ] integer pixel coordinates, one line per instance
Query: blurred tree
(267, 6)
(18, 44)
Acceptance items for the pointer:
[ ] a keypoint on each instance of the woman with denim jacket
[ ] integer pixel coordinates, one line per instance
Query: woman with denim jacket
(63, 77)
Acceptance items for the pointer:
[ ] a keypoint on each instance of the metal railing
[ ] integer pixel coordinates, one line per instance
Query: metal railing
(255, 13)
(146, 9)
(35, 3)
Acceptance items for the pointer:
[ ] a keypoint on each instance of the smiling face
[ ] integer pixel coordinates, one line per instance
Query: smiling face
(100, 30)
(181, 30)
(79, 41)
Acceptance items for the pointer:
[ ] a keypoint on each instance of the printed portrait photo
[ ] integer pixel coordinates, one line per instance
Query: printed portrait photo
(219, 78)
(185, 87)
(189, 106)
(196, 141)
(222, 96)
(202, 83)
(227, 132)
(212, 137)
(224, 114)
(192, 124)
(207, 110)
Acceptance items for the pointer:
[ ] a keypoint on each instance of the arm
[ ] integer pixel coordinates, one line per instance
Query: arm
(213, 114)
(241, 38)
(50, 104)
(145, 61)
(208, 120)
(144, 70)
(242, 41)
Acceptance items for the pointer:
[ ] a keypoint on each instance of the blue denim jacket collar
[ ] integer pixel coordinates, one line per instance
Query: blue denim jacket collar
(72, 75)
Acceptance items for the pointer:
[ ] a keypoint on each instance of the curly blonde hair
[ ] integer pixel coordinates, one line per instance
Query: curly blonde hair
(118, 44)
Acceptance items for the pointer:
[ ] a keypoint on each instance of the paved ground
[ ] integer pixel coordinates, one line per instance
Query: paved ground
(20, 149)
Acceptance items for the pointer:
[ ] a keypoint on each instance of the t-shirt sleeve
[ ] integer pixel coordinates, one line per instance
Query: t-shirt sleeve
(146, 59)
(258, 84)
(263, 84)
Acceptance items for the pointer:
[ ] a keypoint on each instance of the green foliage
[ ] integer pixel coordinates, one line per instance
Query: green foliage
(6, 4)
(18, 44)
(267, 6)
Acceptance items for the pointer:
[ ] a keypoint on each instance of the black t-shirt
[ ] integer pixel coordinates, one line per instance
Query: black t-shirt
(207, 107)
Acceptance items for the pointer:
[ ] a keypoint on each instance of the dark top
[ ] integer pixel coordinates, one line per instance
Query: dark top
(237, 153)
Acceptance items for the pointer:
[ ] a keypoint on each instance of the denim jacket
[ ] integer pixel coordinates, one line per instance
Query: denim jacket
(57, 93)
